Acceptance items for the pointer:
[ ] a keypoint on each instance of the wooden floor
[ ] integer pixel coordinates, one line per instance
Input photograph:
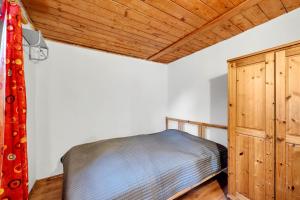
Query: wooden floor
(214, 189)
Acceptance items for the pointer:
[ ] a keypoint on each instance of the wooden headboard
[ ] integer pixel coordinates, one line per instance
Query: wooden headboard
(201, 125)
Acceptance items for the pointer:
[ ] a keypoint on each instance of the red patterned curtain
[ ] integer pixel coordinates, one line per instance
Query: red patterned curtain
(14, 179)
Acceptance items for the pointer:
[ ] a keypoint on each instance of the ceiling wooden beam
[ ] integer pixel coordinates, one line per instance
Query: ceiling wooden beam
(226, 16)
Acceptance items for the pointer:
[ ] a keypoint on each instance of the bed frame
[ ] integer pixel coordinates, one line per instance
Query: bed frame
(201, 133)
(201, 125)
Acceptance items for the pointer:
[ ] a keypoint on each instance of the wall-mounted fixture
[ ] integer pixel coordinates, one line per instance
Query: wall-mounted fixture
(38, 49)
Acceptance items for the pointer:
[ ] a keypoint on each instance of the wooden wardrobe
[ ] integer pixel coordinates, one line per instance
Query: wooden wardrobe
(264, 125)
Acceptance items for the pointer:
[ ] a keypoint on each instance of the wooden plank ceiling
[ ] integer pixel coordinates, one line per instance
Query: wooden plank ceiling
(158, 30)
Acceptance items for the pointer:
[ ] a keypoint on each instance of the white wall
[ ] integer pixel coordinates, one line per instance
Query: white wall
(197, 85)
(31, 119)
(84, 95)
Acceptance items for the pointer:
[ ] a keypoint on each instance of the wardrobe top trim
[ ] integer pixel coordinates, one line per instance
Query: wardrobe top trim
(277, 48)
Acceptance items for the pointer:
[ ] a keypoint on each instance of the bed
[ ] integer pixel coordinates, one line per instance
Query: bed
(155, 166)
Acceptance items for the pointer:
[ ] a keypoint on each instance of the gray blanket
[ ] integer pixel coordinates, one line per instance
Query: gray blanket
(154, 166)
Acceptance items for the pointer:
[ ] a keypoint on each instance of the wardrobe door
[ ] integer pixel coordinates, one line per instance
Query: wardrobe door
(288, 124)
(251, 127)
(293, 171)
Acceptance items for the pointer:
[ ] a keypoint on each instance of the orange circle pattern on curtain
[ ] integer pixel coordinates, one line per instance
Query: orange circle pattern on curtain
(14, 184)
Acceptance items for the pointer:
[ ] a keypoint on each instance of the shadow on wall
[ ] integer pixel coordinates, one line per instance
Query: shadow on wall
(218, 99)
(218, 107)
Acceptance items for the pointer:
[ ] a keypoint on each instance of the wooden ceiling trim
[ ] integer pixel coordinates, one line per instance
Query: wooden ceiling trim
(198, 8)
(177, 11)
(101, 18)
(226, 16)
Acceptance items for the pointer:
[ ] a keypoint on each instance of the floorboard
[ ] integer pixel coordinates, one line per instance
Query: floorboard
(214, 189)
